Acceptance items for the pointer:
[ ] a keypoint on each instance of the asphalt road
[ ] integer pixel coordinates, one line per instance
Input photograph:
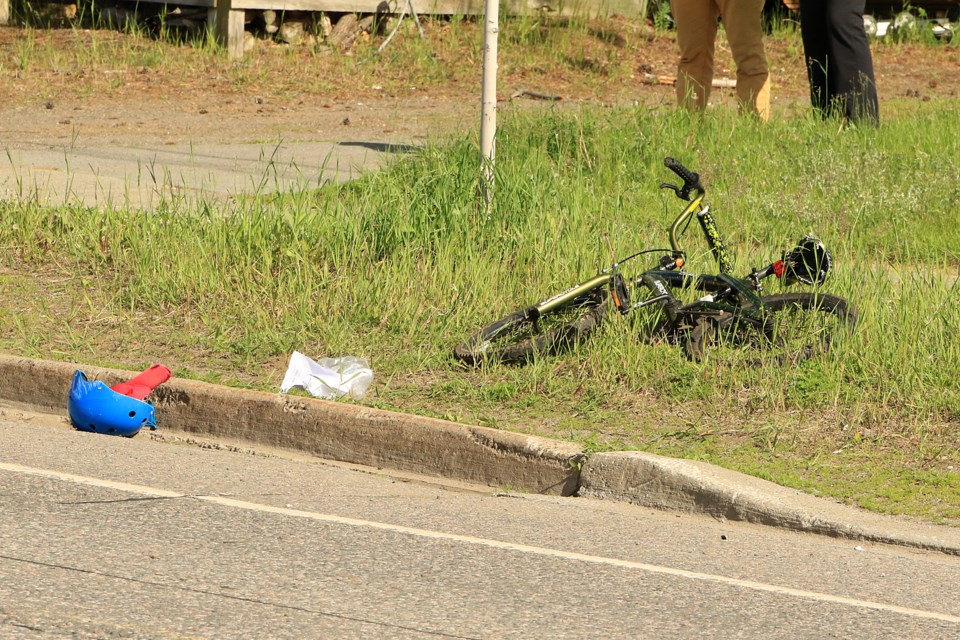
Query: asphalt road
(104, 537)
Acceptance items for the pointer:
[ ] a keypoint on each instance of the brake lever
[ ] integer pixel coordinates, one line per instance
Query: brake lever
(683, 194)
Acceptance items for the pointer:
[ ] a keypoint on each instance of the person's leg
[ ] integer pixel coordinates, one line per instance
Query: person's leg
(743, 22)
(852, 82)
(813, 29)
(696, 22)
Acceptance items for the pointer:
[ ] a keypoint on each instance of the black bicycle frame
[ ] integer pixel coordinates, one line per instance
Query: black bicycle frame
(719, 289)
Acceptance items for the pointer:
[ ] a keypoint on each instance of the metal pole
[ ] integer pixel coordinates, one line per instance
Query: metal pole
(488, 115)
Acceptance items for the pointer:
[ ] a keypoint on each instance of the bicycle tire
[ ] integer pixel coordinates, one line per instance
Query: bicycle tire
(782, 334)
(516, 338)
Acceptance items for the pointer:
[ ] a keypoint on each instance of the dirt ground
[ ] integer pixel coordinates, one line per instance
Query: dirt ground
(275, 93)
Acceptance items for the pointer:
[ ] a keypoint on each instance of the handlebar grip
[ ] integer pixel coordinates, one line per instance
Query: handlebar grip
(690, 178)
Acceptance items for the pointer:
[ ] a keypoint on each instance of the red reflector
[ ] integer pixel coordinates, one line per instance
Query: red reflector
(778, 268)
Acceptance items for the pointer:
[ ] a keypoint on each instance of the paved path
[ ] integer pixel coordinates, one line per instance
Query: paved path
(144, 176)
(131, 153)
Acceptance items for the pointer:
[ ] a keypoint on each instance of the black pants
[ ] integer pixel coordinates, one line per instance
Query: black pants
(839, 64)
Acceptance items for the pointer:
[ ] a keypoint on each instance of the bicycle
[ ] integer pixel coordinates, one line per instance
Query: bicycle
(732, 311)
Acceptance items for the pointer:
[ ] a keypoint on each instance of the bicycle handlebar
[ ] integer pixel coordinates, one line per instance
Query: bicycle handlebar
(691, 179)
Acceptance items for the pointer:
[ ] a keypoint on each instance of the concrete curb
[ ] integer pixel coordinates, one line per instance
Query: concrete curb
(360, 435)
(688, 485)
(344, 432)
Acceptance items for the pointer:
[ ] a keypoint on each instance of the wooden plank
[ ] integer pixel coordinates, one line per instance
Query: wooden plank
(210, 4)
(4, 11)
(229, 27)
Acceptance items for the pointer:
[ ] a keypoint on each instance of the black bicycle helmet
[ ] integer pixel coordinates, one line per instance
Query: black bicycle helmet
(808, 262)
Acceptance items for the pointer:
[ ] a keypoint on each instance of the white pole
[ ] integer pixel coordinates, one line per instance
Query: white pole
(488, 115)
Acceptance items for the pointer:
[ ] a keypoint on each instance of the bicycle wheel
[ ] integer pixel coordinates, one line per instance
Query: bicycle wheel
(798, 326)
(519, 336)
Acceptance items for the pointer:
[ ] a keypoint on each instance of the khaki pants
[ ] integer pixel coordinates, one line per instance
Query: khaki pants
(696, 22)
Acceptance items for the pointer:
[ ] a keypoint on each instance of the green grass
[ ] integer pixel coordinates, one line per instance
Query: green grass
(402, 264)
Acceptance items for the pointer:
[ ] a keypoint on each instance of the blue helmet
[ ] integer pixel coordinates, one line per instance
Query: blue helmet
(96, 407)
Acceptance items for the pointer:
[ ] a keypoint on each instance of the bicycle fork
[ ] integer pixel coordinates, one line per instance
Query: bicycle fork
(717, 246)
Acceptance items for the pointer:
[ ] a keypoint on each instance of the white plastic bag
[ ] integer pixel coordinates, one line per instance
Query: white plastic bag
(329, 378)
